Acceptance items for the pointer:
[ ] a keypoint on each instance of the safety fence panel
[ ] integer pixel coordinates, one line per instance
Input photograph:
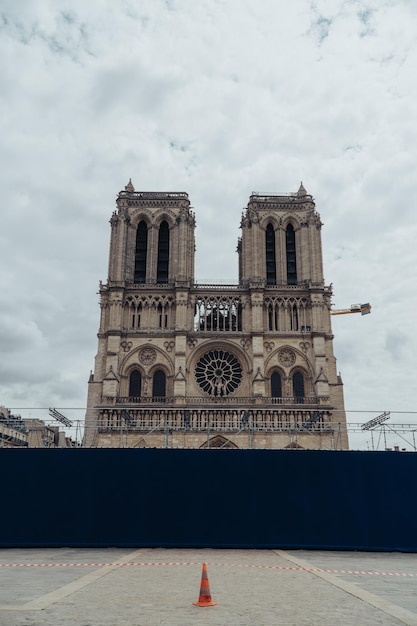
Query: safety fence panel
(208, 498)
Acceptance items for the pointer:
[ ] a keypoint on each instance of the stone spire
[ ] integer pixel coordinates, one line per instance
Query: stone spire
(129, 186)
(301, 191)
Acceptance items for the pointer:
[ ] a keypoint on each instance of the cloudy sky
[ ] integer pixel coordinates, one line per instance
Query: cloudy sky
(218, 98)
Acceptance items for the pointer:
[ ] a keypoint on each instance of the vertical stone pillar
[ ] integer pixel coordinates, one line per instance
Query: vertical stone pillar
(151, 272)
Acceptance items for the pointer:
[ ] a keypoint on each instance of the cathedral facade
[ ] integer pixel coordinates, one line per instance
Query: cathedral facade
(183, 365)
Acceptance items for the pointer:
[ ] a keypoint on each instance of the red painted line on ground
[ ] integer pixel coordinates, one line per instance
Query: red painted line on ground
(192, 563)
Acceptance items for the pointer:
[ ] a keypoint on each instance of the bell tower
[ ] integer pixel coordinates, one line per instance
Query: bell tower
(152, 239)
(281, 264)
(281, 240)
(150, 273)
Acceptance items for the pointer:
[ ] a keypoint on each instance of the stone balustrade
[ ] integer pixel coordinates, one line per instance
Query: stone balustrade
(217, 419)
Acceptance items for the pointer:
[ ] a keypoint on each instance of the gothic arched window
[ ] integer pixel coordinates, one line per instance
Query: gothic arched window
(298, 386)
(141, 252)
(271, 273)
(276, 386)
(163, 253)
(135, 384)
(291, 256)
(159, 384)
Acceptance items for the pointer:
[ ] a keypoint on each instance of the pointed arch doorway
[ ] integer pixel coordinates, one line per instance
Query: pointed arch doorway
(219, 442)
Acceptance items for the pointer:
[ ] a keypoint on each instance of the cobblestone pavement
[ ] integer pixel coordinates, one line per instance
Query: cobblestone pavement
(151, 587)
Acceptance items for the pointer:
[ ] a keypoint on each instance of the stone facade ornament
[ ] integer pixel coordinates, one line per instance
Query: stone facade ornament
(147, 356)
(286, 357)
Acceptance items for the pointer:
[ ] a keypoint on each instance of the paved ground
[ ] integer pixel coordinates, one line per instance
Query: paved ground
(151, 587)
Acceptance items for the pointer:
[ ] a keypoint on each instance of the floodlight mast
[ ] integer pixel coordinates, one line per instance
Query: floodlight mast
(380, 419)
(60, 418)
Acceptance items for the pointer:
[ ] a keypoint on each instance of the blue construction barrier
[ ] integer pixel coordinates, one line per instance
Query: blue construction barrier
(209, 498)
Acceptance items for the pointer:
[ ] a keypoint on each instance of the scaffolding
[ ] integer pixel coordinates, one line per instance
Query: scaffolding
(223, 427)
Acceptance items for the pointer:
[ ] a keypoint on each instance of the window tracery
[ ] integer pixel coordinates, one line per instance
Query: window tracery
(286, 314)
(218, 373)
(218, 313)
(149, 312)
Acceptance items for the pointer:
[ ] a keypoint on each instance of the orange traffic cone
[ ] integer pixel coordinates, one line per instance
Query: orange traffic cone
(204, 598)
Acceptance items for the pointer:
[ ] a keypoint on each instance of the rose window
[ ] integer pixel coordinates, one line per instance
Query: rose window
(218, 373)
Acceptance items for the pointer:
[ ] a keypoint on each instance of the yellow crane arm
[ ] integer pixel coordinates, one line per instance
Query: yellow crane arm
(363, 309)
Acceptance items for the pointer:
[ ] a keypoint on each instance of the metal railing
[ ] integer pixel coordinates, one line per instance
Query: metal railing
(277, 196)
(159, 195)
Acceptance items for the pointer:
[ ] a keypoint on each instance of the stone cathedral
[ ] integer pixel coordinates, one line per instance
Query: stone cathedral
(186, 365)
